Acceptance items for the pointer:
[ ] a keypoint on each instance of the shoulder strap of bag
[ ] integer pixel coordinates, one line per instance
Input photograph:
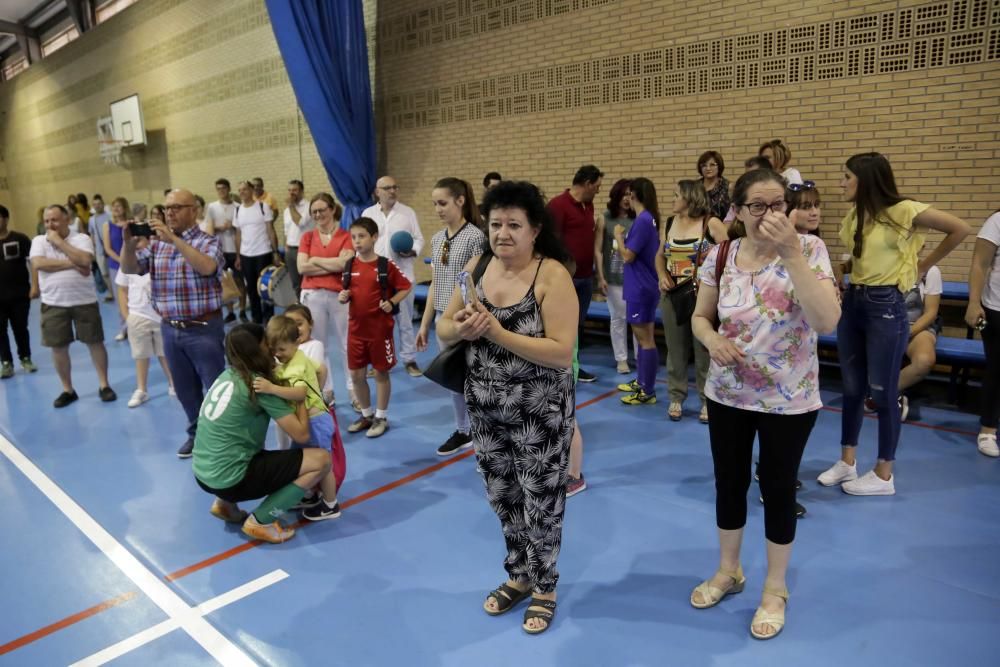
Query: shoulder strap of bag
(261, 207)
(480, 267)
(345, 276)
(720, 262)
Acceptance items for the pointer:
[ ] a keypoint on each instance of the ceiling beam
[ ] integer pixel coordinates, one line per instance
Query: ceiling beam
(83, 14)
(17, 29)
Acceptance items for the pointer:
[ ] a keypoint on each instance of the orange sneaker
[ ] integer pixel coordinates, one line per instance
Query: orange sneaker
(228, 512)
(274, 533)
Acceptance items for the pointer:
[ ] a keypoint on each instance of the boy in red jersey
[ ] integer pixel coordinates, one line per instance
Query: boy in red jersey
(374, 286)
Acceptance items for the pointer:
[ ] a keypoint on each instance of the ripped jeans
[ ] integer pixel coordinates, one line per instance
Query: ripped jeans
(871, 339)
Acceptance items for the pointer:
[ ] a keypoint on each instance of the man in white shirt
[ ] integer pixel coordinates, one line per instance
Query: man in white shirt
(221, 214)
(69, 300)
(391, 216)
(297, 222)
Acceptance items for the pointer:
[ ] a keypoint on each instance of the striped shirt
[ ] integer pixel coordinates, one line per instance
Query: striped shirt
(180, 292)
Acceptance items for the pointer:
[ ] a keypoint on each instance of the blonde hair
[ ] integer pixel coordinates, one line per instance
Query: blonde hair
(281, 329)
(693, 192)
(782, 154)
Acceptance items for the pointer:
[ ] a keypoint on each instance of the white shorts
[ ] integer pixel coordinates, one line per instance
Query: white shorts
(144, 337)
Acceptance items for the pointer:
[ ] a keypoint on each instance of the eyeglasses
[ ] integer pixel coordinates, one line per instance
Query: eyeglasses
(317, 211)
(444, 251)
(176, 208)
(389, 187)
(804, 185)
(760, 208)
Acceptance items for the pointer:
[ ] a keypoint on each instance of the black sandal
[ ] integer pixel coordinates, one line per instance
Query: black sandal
(506, 597)
(546, 615)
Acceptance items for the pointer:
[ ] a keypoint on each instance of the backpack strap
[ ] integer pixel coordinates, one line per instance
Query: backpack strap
(382, 266)
(345, 276)
(261, 207)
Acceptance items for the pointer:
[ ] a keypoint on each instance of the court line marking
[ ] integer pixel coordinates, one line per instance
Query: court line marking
(207, 636)
(148, 635)
(246, 546)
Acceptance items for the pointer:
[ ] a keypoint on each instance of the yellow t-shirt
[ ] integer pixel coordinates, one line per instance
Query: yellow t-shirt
(301, 371)
(891, 246)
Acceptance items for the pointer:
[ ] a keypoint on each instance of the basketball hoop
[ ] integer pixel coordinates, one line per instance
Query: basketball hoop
(111, 150)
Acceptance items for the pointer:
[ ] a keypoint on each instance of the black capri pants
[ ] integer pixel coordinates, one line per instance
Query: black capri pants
(782, 440)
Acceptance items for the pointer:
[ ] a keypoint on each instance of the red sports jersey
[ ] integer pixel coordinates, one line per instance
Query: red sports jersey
(367, 320)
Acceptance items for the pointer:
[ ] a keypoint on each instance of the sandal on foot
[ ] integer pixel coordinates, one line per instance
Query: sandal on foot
(774, 619)
(506, 596)
(675, 411)
(711, 596)
(546, 614)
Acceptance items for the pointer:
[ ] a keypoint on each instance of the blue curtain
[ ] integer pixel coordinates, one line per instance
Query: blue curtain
(323, 45)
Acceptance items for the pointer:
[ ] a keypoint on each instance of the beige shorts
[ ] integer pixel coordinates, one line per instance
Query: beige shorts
(144, 337)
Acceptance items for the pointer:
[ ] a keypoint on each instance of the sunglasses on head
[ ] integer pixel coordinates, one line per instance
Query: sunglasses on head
(804, 185)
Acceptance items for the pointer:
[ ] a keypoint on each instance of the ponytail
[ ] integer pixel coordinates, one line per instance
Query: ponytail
(459, 188)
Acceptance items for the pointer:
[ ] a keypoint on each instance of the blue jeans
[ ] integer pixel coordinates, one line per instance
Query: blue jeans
(195, 356)
(871, 339)
(584, 293)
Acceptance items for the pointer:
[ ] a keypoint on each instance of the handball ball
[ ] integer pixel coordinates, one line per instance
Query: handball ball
(401, 242)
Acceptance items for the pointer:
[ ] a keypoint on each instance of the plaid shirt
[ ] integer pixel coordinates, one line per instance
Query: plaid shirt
(180, 292)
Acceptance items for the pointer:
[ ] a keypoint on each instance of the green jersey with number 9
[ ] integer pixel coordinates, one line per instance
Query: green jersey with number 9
(232, 429)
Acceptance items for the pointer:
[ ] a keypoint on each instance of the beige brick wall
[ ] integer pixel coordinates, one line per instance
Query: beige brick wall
(532, 88)
(638, 87)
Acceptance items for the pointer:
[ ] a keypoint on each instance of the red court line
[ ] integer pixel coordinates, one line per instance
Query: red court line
(246, 546)
(66, 622)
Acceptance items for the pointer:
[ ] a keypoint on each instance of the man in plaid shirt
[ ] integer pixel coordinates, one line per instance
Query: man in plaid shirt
(186, 269)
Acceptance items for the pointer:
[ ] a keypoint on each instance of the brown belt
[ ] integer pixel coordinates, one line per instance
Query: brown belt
(199, 321)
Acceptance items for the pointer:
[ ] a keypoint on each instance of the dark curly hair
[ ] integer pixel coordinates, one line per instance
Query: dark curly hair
(527, 197)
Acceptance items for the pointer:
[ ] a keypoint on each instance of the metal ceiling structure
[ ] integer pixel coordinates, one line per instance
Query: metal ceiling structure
(24, 22)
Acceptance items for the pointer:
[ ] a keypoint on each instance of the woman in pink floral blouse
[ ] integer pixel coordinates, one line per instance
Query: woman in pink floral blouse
(776, 293)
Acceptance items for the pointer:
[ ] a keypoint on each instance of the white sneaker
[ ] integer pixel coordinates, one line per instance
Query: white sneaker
(987, 443)
(839, 472)
(870, 484)
(122, 335)
(171, 391)
(138, 398)
(623, 368)
(904, 408)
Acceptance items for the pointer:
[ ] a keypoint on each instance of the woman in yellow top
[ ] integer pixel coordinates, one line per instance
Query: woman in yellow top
(885, 232)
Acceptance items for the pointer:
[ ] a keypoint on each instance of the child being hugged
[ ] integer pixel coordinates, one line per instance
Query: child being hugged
(374, 286)
(304, 377)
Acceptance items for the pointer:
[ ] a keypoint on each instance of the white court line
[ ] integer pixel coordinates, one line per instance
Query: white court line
(207, 636)
(114, 651)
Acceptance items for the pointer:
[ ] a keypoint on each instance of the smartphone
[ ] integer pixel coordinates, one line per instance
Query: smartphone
(467, 288)
(140, 229)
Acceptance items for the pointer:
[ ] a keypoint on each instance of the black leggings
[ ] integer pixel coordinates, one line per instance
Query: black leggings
(782, 441)
(15, 312)
(991, 381)
(251, 267)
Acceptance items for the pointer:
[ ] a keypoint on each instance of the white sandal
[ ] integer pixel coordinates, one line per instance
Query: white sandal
(711, 596)
(774, 619)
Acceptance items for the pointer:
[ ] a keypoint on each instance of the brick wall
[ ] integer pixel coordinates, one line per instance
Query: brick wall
(533, 89)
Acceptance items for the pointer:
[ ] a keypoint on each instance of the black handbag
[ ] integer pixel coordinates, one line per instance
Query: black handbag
(448, 367)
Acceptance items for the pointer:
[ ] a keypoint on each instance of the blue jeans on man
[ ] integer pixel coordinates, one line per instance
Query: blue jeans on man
(196, 357)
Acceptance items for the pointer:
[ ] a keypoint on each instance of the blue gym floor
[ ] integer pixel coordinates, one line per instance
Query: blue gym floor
(400, 578)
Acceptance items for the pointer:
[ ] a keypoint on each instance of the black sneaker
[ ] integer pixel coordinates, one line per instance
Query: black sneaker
(584, 376)
(307, 502)
(107, 394)
(231, 317)
(454, 444)
(64, 399)
(800, 510)
(186, 449)
(756, 476)
(243, 316)
(322, 512)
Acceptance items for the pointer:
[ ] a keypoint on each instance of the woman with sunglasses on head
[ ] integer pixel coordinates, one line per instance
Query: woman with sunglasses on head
(885, 232)
(322, 256)
(710, 168)
(772, 295)
(451, 248)
(610, 267)
(685, 239)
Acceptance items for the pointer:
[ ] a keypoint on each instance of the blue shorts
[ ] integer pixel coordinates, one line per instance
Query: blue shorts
(640, 312)
(321, 431)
